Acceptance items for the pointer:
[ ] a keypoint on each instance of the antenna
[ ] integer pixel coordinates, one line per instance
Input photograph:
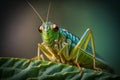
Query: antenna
(35, 11)
(48, 12)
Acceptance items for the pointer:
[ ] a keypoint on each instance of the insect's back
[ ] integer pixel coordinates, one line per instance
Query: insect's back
(72, 39)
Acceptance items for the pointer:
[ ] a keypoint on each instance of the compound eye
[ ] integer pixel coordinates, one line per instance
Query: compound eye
(55, 27)
(40, 29)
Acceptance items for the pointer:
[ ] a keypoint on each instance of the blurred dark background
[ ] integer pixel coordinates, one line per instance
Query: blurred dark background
(19, 25)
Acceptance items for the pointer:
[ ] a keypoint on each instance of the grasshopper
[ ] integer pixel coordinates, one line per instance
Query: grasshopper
(62, 46)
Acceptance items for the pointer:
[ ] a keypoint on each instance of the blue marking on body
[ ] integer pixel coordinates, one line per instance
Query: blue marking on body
(74, 39)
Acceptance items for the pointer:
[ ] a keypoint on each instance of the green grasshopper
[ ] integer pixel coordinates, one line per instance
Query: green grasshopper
(62, 46)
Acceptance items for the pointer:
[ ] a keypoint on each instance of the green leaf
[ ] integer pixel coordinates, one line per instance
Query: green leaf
(25, 69)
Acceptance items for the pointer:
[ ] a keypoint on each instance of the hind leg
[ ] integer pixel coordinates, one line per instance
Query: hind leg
(83, 44)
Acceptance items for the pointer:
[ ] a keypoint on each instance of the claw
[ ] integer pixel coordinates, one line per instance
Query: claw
(80, 68)
(98, 69)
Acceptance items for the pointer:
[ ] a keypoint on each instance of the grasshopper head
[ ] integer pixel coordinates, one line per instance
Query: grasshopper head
(50, 33)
